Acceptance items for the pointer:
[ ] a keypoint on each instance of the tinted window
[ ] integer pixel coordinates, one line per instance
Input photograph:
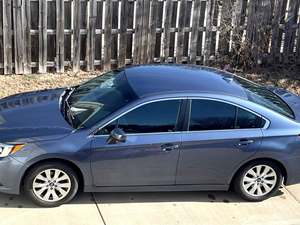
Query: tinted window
(211, 115)
(247, 119)
(262, 96)
(153, 117)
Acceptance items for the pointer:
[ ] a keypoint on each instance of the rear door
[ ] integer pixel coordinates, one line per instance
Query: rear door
(220, 137)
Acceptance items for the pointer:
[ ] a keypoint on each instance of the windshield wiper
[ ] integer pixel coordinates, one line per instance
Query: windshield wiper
(68, 113)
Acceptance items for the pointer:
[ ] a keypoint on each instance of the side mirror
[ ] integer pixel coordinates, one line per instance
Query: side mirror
(116, 135)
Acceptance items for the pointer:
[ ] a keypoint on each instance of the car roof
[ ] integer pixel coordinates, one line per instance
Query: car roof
(158, 79)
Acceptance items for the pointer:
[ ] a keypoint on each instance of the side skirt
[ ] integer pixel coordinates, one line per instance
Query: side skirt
(157, 188)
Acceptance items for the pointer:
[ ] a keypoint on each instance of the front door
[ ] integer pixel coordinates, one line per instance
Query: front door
(219, 139)
(150, 153)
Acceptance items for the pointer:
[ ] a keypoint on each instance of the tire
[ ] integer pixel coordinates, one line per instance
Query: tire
(253, 185)
(59, 189)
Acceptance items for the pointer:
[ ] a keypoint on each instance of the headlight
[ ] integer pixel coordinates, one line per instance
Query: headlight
(6, 149)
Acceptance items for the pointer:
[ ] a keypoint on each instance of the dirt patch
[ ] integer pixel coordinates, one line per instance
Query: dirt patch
(288, 78)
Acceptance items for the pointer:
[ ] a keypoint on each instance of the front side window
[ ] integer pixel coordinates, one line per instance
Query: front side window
(215, 115)
(155, 117)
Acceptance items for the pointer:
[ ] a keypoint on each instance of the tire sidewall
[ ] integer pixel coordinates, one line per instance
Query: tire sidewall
(28, 189)
(238, 184)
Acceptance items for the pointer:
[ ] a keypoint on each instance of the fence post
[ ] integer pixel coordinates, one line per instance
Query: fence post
(60, 36)
(90, 41)
(76, 35)
(210, 10)
(18, 36)
(180, 33)
(42, 36)
(26, 18)
(7, 36)
(107, 35)
(123, 33)
(138, 31)
(152, 30)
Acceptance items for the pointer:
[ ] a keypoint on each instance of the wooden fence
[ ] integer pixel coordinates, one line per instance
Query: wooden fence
(55, 35)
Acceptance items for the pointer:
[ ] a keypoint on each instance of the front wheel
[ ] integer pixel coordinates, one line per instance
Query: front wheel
(258, 180)
(51, 184)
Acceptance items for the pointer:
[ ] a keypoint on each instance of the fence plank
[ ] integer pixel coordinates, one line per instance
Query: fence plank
(195, 32)
(167, 26)
(123, 33)
(237, 23)
(18, 36)
(42, 36)
(145, 31)
(290, 31)
(152, 31)
(76, 35)
(26, 17)
(210, 10)
(60, 24)
(138, 31)
(90, 41)
(107, 35)
(225, 26)
(180, 34)
(7, 36)
(276, 37)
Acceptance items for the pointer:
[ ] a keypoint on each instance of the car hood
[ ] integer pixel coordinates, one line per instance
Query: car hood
(291, 99)
(32, 116)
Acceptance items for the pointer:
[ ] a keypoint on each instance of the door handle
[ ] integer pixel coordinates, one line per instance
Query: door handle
(169, 147)
(244, 142)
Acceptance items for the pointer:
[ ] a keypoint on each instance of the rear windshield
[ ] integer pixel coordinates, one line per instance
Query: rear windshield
(262, 96)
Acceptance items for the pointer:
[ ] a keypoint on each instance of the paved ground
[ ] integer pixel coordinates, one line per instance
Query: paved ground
(187, 208)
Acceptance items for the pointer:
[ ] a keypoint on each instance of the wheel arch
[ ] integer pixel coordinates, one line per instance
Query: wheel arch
(69, 163)
(277, 162)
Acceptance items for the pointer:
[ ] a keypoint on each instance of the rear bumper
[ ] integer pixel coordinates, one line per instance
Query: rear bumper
(10, 175)
(293, 171)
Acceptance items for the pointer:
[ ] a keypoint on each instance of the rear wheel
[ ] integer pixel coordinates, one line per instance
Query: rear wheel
(258, 180)
(51, 184)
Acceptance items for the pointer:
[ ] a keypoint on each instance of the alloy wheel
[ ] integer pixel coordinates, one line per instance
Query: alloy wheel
(51, 185)
(259, 180)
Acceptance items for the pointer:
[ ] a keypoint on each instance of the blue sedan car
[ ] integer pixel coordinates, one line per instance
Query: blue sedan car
(150, 128)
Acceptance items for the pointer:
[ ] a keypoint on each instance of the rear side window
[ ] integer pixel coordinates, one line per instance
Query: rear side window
(214, 115)
(246, 120)
(211, 115)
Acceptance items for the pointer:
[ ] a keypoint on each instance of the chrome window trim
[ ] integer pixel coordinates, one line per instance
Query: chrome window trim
(133, 108)
(267, 121)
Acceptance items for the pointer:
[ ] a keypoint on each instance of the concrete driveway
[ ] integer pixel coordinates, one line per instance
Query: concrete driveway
(187, 208)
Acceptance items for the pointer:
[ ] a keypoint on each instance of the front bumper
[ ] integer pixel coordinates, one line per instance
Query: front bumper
(10, 175)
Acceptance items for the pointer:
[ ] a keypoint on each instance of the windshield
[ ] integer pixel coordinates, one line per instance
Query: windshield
(92, 101)
(262, 96)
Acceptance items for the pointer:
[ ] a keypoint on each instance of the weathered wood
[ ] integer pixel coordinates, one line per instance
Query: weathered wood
(7, 36)
(123, 33)
(200, 46)
(138, 32)
(90, 41)
(237, 23)
(167, 26)
(180, 34)
(290, 31)
(210, 10)
(107, 35)
(42, 36)
(26, 18)
(18, 36)
(114, 38)
(60, 39)
(76, 35)
(152, 31)
(225, 26)
(195, 32)
(276, 33)
(145, 31)
(130, 39)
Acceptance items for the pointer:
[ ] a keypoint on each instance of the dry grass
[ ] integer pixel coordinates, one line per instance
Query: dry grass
(281, 77)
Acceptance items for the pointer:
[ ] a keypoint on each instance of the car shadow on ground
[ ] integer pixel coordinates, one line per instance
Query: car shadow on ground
(16, 201)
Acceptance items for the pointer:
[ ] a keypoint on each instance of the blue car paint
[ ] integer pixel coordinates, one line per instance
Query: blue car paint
(203, 161)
